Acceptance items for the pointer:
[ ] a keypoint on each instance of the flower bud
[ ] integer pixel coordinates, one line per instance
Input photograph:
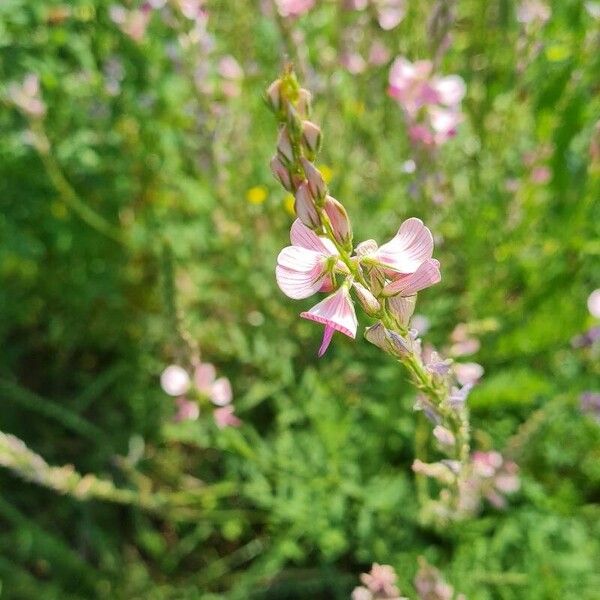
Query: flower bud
(365, 248)
(282, 174)
(340, 223)
(305, 207)
(285, 150)
(311, 139)
(389, 341)
(273, 95)
(303, 104)
(444, 436)
(369, 303)
(316, 183)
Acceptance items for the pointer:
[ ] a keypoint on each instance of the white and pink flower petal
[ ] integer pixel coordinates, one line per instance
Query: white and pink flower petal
(408, 249)
(302, 236)
(426, 275)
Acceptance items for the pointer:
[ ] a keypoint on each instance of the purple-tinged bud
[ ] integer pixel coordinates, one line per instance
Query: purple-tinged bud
(369, 303)
(340, 223)
(444, 436)
(388, 341)
(440, 471)
(303, 105)
(282, 174)
(311, 139)
(273, 95)
(305, 207)
(316, 183)
(377, 280)
(285, 150)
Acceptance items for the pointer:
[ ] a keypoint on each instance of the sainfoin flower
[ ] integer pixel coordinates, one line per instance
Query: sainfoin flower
(336, 313)
(431, 103)
(294, 8)
(224, 417)
(378, 584)
(218, 390)
(304, 267)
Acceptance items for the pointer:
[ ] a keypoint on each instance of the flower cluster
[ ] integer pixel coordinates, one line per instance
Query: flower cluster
(202, 388)
(431, 104)
(379, 584)
(26, 96)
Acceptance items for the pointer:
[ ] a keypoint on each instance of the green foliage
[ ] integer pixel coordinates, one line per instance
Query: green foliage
(317, 483)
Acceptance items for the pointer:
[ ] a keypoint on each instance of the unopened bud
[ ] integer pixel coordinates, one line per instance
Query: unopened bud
(443, 436)
(389, 341)
(273, 95)
(316, 183)
(305, 207)
(304, 102)
(340, 223)
(311, 139)
(365, 248)
(440, 471)
(281, 173)
(285, 150)
(369, 303)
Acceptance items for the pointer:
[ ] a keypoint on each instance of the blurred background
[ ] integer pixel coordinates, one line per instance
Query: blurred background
(140, 226)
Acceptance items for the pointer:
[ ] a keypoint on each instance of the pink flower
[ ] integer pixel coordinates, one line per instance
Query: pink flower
(408, 249)
(186, 410)
(381, 580)
(132, 23)
(409, 84)
(175, 380)
(294, 8)
(593, 303)
(218, 390)
(304, 267)
(390, 13)
(224, 417)
(426, 275)
(468, 373)
(336, 312)
(431, 103)
(26, 96)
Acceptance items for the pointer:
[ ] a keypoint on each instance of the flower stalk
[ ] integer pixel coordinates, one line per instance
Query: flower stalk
(384, 279)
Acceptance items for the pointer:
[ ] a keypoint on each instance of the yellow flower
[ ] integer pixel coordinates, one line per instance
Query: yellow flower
(326, 172)
(288, 204)
(256, 194)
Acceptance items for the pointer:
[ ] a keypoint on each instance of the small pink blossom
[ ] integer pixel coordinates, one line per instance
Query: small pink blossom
(26, 96)
(224, 417)
(468, 373)
(336, 313)
(175, 380)
(390, 13)
(218, 390)
(304, 267)
(132, 23)
(378, 584)
(187, 410)
(431, 103)
(593, 303)
(531, 11)
(294, 8)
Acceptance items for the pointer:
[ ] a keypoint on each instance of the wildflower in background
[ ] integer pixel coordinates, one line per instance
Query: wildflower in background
(187, 410)
(232, 74)
(256, 194)
(593, 303)
(431, 103)
(533, 11)
(379, 584)
(293, 8)
(26, 96)
(175, 380)
(590, 404)
(430, 585)
(468, 373)
(218, 391)
(132, 23)
(493, 477)
(224, 417)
